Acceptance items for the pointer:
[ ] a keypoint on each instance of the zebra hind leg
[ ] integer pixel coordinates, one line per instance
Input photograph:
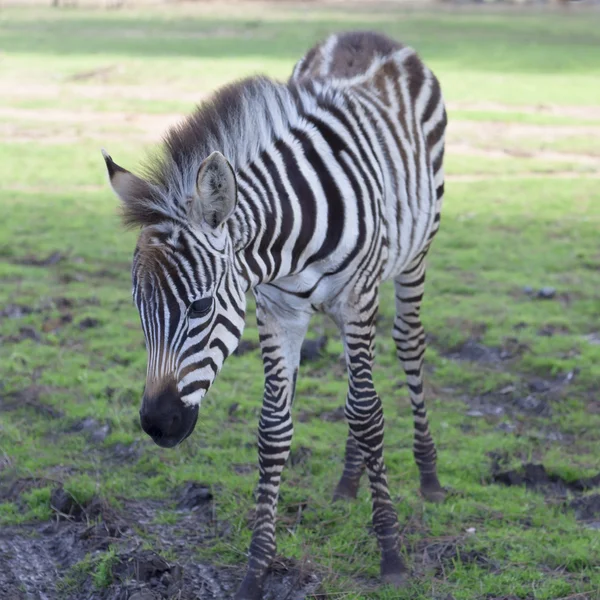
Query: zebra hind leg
(409, 337)
(354, 467)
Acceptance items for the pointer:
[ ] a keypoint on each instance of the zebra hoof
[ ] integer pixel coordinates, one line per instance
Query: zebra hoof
(431, 490)
(434, 495)
(395, 580)
(345, 491)
(251, 589)
(393, 571)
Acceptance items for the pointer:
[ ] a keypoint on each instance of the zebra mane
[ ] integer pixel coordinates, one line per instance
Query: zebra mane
(239, 120)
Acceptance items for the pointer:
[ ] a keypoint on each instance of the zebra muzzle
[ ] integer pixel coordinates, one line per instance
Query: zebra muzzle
(166, 419)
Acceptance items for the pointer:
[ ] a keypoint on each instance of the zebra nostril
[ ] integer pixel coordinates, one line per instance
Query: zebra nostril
(174, 424)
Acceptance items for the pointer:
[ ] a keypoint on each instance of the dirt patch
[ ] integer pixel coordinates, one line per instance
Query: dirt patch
(10, 491)
(33, 261)
(95, 431)
(88, 323)
(16, 311)
(25, 333)
(30, 397)
(473, 350)
(195, 495)
(330, 416)
(536, 478)
(60, 559)
(587, 508)
(441, 554)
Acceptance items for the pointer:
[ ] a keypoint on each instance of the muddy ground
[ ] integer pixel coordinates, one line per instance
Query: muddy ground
(38, 561)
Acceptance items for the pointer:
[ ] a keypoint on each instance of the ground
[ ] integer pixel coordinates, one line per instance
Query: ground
(91, 509)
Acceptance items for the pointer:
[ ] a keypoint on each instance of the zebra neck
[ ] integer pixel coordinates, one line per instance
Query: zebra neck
(260, 250)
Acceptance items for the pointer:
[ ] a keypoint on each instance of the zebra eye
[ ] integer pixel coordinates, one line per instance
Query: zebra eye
(200, 308)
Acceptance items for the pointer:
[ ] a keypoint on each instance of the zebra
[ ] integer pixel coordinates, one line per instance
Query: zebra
(308, 193)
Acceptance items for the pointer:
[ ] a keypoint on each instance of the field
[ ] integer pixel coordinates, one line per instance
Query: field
(90, 508)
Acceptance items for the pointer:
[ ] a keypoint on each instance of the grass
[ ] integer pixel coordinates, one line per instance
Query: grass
(76, 80)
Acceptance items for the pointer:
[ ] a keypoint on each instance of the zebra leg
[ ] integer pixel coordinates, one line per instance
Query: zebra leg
(281, 341)
(354, 467)
(364, 412)
(409, 336)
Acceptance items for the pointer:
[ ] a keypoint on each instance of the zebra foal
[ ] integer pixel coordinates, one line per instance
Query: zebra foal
(310, 194)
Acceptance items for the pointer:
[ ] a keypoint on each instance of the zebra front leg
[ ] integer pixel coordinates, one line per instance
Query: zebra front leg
(280, 345)
(409, 336)
(364, 412)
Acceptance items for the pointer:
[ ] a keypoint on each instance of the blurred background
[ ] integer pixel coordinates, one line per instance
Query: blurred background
(90, 508)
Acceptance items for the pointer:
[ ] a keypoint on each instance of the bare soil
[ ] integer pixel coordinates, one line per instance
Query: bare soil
(39, 561)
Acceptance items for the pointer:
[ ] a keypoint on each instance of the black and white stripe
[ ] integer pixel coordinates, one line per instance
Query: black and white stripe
(338, 186)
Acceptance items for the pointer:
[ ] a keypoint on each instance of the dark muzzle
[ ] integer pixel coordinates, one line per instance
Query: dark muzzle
(166, 419)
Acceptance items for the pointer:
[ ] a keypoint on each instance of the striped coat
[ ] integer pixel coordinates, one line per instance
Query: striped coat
(309, 194)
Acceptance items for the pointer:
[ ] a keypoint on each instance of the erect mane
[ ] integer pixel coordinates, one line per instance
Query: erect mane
(239, 120)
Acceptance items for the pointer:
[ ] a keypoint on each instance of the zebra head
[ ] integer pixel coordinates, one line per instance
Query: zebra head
(187, 289)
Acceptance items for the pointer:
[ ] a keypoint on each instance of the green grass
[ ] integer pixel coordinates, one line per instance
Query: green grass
(514, 225)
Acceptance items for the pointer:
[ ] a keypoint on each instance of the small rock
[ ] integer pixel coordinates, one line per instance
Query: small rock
(529, 403)
(88, 323)
(195, 494)
(29, 333)
(14, 311)
(124, 450)
(507, 427)
(546, 293)
(99, 435)
(475, 413)
(571, 375)
(593, 338)
(507, 389)
(88, 424)
(143, 595)
(539, 386)
(62, 502)
(63, 303)
(471, 530)
(528, 290)
(71, 277)
(475, 352)
(587, 507)
(148, 565)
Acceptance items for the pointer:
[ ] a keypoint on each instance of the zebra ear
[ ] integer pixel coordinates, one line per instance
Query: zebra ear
(216, 189)
(127, 186)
